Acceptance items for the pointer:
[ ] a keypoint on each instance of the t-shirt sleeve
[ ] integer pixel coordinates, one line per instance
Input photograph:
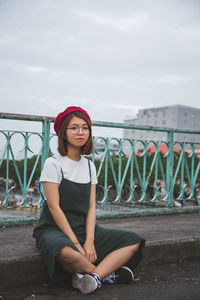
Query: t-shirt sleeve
(93, 173)
(51, 171)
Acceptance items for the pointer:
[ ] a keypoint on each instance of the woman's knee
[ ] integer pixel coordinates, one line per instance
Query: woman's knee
(69, 255)
(135, 247)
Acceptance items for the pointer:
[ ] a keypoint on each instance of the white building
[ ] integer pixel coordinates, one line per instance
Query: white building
(173, 116)
(100, 148)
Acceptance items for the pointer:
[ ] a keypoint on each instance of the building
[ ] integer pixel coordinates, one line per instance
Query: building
(173, 116)
(100, 148)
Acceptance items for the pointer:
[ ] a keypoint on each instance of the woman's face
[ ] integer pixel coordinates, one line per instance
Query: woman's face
(77, 132)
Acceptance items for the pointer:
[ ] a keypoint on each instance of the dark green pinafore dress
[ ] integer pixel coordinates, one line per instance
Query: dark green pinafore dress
(74, 201)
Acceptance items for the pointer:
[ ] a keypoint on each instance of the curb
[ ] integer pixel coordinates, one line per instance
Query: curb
(15, 272)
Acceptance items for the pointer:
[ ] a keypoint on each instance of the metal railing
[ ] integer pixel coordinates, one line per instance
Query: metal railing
(125, 177)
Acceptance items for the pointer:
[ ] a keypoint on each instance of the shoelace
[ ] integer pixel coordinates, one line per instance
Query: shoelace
(111, 278)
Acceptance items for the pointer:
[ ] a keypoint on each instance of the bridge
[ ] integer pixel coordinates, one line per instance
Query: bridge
(151, 188)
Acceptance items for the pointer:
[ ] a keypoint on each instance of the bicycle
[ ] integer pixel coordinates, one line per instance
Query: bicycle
(110, 192)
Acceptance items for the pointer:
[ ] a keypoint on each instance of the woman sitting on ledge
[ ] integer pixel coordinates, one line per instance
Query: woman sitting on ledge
(67, 233)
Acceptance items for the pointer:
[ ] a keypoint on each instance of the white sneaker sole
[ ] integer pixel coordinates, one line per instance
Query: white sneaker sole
(86, 284)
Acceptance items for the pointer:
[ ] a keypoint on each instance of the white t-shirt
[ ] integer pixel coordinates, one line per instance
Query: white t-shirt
(77, 171)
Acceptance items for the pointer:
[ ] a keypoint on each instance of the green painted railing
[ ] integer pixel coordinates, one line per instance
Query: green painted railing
(133, 177)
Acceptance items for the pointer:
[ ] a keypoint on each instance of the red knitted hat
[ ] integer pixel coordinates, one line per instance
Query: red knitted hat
(60, 117)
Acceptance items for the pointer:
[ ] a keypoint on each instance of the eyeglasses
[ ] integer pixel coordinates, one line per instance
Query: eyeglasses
(76, 129)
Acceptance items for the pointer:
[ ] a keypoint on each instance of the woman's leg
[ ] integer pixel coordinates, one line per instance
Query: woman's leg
(135, 259)
(73, 261)
(115, 259)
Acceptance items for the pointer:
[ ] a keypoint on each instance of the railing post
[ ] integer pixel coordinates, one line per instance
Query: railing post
(169, 169)
(119, 183)
(5, 202)
(106, 172)
(192, 191)
(24, 202)
(144, 182)
(45, 147)
(45, 140)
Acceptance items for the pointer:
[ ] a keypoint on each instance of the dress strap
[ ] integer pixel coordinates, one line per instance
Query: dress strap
(89, 170)
(62, 173)
(41, 194)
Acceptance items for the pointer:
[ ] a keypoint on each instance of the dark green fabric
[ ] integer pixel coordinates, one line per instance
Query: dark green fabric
(74, 201)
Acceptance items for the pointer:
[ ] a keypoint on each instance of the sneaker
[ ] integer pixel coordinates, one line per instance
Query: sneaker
(76, 278)
(86, 283)
(122, 275)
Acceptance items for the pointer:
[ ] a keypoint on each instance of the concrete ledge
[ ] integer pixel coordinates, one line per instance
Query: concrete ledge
(19, 221)
(171, 251)
(18, 271)
(148, 212)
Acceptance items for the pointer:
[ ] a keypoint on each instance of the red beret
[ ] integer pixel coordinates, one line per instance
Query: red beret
(60, 117)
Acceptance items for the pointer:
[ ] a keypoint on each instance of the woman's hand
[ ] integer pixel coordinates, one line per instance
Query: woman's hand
(90, 252)
(80, 248)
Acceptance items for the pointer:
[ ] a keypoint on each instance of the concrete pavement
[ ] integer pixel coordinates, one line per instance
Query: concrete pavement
(166, 282)
(170, 239)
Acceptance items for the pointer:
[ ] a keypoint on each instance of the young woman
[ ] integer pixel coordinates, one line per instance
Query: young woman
(67, 233)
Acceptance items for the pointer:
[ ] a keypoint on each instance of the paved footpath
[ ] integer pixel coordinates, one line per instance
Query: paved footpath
(170, 268)
(166, 282)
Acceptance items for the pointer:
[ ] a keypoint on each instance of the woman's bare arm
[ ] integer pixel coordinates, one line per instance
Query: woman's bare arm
(90, 227)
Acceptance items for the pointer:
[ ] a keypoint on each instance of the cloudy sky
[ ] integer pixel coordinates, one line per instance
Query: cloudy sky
(112, 57)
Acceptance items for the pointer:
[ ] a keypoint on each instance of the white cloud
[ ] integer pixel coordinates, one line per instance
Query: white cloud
(118, 23)
(35, 69)
(110, 57)
(172, 79)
